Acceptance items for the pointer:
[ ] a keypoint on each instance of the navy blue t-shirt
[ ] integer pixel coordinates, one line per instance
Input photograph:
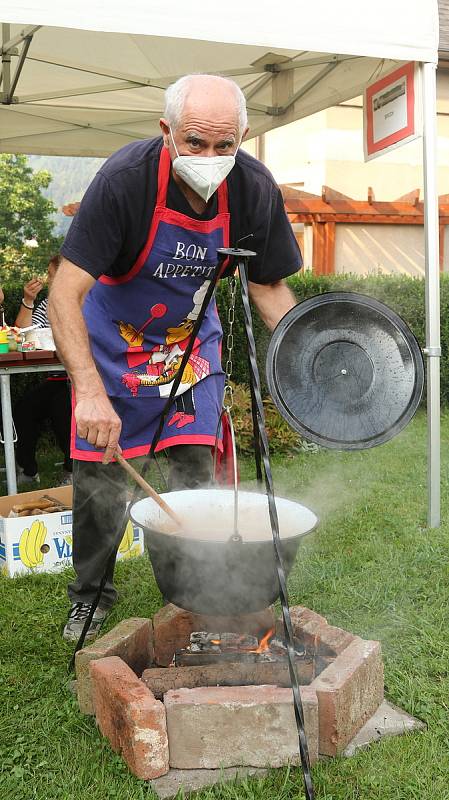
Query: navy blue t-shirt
(113, 221)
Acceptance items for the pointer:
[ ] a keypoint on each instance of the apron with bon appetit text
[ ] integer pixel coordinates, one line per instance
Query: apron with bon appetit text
(139, 326)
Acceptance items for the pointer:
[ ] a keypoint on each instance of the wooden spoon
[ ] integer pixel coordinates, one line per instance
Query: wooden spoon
(148, 489)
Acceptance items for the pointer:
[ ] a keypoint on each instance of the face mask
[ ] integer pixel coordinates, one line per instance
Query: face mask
(202, 173)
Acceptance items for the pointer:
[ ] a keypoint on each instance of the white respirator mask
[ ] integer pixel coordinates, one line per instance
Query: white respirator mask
(202, 173)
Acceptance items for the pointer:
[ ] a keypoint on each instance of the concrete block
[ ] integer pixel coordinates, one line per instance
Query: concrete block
(215, 727)
(131, 640)
(191, 780)
(387, 720)
(349, 691)
(130, 717)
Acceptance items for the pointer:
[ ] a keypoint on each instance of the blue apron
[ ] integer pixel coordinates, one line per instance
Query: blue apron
(139, 325)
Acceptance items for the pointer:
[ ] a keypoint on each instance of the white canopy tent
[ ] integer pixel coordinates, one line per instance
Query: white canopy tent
(86, 78)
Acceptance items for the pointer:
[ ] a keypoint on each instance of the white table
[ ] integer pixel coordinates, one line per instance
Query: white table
(9, 436)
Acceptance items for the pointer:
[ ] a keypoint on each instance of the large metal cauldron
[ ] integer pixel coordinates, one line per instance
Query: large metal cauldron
(203, 569)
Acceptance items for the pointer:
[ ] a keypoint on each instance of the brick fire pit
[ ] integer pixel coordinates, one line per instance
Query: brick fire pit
(225, 713)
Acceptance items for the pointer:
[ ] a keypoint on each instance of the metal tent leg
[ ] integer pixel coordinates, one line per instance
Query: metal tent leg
(8, 434)
(433, 349)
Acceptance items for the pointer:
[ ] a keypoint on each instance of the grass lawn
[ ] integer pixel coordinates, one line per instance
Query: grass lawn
(372, 567)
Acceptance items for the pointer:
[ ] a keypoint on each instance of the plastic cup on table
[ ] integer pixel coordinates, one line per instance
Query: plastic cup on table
(4, 344)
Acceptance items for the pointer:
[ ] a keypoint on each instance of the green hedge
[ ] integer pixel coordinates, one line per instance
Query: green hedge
(403, 294)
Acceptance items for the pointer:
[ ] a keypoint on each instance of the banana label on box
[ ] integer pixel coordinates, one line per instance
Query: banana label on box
(44, 543)
(32, 544)
(130, 546)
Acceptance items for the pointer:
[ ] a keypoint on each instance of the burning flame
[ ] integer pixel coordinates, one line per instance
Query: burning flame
(264, 642)
(262, 647)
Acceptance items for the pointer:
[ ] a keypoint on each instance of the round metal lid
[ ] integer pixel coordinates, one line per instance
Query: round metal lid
(345, 371)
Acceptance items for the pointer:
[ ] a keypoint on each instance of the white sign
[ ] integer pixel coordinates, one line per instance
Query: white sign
(392, 111)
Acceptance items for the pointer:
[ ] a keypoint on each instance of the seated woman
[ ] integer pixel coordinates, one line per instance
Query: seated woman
(50, 399)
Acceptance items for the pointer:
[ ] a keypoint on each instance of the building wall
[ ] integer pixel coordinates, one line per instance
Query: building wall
(394, 249)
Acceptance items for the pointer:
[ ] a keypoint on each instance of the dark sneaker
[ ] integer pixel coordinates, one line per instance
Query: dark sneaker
(76, 619)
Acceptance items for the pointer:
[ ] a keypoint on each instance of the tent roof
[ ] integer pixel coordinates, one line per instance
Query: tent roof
(86, 78)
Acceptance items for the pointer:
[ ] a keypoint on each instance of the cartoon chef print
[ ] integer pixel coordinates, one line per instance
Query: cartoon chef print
(162, 362)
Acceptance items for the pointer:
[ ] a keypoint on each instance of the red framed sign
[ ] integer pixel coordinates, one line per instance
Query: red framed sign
(392, 110)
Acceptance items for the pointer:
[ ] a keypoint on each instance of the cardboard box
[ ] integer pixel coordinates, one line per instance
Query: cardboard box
(43, 543)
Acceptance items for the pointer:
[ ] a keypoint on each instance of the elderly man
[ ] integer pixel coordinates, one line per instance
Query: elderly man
(137, 261)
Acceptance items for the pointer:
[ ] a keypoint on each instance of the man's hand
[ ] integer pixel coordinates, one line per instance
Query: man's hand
(97, 422)
(71, 209)
(31, 290)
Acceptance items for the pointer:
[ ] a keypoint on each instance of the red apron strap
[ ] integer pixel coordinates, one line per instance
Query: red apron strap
(222, 193)
(163, 177)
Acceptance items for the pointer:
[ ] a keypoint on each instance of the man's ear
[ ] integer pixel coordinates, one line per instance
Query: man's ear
(245, 133)
(165, 128)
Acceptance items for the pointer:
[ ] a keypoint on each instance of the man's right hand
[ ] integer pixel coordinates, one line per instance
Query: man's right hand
(97, 422)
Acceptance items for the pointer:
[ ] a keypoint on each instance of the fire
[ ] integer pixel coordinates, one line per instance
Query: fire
(239, 643)
(264, 642)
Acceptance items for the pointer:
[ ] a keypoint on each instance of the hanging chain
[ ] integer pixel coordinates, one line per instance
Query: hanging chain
(228, 397)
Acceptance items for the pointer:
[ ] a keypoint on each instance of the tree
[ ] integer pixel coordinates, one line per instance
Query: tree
(25, 215)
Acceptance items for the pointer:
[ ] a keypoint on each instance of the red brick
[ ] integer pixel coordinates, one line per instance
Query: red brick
(216, 727)
(332, 640)
(160, 680)
(173, 626)
(131, 639)
(131, 718)
(300, 616)
(349, 691)
(313, 632)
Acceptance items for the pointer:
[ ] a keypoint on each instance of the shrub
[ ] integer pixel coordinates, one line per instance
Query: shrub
(283, 439)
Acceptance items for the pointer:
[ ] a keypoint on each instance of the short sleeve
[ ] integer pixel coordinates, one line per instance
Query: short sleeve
(39, 316)
(278, 253)
(95, 237)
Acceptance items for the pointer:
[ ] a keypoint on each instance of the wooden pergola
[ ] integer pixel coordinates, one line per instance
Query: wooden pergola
(332, 208)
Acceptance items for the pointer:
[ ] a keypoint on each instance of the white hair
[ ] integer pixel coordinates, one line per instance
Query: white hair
(176, 94)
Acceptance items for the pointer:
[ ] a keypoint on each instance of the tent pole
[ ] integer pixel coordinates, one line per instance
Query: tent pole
(433, 349)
